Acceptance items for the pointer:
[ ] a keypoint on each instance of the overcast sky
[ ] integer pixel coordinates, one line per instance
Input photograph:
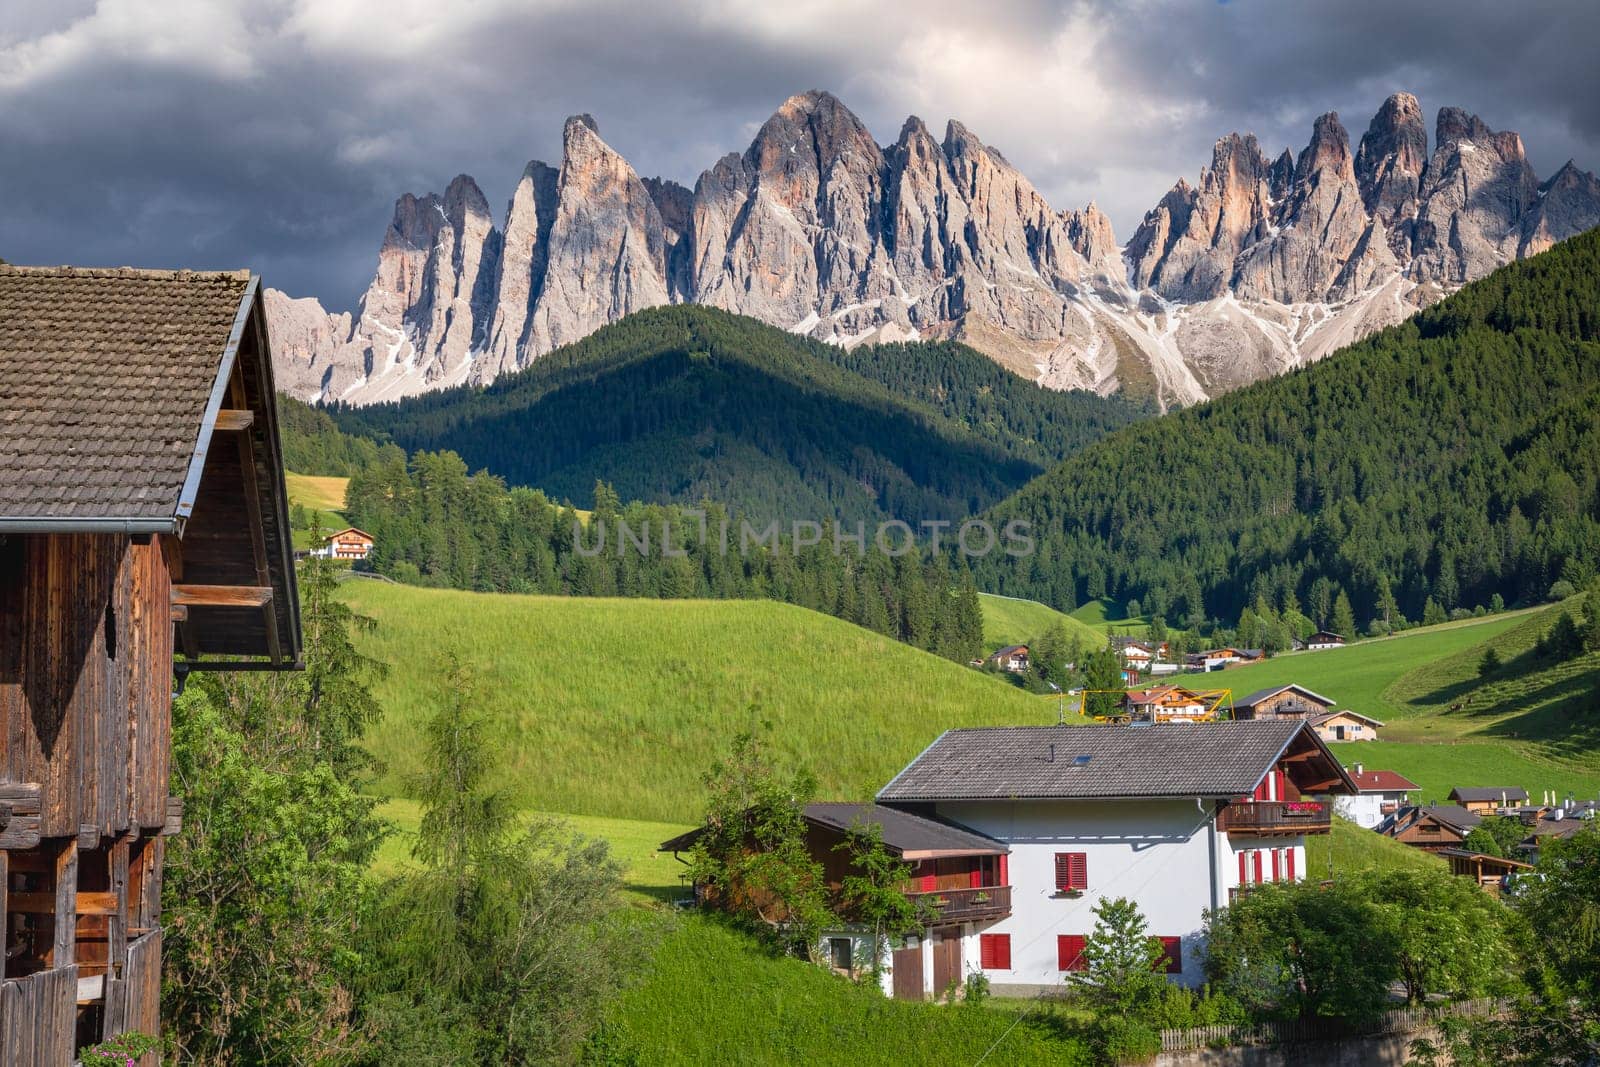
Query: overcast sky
(276, 134)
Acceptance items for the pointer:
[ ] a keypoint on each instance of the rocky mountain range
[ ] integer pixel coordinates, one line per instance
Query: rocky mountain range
(1266, 263)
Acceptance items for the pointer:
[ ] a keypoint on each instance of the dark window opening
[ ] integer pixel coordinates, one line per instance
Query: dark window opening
(840, 948)
(111, 630)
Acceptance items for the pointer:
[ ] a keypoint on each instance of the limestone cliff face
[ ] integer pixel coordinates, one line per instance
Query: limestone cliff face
(1264, 263)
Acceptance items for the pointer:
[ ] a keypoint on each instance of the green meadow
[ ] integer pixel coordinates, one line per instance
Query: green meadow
(1010, 621)
(617, 707)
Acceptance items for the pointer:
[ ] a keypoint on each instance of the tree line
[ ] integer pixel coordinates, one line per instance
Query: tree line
(676, 404)
(433, 523)
(1436, 467)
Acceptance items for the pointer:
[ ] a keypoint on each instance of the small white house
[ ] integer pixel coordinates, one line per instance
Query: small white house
(1177, 817)
(1378, 795)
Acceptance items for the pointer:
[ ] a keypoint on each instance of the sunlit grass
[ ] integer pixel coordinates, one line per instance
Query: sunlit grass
(618, 707)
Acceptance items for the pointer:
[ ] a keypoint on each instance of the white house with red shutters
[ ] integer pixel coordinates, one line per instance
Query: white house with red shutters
(1177, 817)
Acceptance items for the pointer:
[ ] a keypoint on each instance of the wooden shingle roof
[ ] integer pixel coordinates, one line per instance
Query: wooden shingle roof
(106, 380)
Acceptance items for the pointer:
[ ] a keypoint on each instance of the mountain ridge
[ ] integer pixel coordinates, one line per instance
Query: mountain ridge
(1264, 264)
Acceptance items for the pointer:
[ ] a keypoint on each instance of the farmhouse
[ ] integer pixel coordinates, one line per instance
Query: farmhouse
(1430, 828)
(1558, 822)
(1166, 703)
(348, 544)
(1378, 795)
(1176, 817)
(961, 874)
(1281, 702)
(1323, 640)
(1345, 726)
(1217, 659)
(1013, 658)
(142, 509)
(1487, 800)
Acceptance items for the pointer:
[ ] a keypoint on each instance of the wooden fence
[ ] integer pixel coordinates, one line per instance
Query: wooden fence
(1398, 1021)
(36, 1018)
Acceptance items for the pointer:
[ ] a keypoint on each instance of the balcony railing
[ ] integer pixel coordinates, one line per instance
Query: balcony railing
(1271, 818)
(988, 902)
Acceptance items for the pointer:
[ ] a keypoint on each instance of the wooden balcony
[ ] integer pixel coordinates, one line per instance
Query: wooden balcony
(962, 905)
(1275, 818)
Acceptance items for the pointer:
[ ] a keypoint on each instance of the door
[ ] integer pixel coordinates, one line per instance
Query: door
(908, 973)
(946, 961)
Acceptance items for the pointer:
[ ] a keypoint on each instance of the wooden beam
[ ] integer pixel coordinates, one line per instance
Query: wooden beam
(235, 419)
(221, 596)
(180, 613)
(252, 506)
(45, 903)
(174, 823)
(64, 951)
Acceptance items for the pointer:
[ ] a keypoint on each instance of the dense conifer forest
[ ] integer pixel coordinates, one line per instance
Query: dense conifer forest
(1438, 465)
(679, 404)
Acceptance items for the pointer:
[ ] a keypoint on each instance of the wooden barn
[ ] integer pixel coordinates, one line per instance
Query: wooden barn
(143, 533)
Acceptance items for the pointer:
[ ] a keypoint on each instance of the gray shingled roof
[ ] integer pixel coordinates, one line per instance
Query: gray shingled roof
(105, 377)
(1453, 815)
(1223, 759)
(905, 832)
(1252, 699)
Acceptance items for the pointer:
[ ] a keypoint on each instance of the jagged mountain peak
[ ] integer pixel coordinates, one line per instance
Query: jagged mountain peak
(1329, 150)
(1262, 264)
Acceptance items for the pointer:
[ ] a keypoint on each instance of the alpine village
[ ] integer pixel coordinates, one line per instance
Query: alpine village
(841, 610)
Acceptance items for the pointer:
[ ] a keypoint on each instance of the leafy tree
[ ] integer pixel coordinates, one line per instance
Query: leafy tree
(1102, 678)
(1121, 972)
(506, 941)
(1560, 589)
(1344, 619)
(1432, 613)
(1451, 938)
(265, 888)
(751, 857)
(1299, 951)
(1489, 662)
(1482, 841)
(873, 892)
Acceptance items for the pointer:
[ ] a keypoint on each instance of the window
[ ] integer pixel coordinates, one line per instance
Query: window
(839, 949)
(1172, 953)
(1069, 952)
(1072, 872)
(994, 952)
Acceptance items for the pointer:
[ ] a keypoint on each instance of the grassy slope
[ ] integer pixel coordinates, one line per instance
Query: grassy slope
(616, 707)
(1349, 849)
(1525, 729)
(712, 996)
(1106, 615)
(315, 491)
(1009, 621)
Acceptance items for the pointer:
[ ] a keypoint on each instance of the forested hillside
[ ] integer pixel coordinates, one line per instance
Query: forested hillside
(1453, 459)
(688, 403)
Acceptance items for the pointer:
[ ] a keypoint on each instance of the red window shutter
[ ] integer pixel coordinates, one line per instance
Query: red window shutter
(1172, 952)
(927, 879)
(1072, 871)
(1244, 871)
(1261, 791)
(1291, 864)
(1276, 874)
(975, 878)
(1005, 871)
(994, 952)
(1257, 854)
(1069, 951)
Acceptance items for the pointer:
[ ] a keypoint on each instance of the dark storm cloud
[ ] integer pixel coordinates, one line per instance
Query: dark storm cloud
(277, 134)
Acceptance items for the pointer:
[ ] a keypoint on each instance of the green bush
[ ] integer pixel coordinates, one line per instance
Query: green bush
(1123, 1040)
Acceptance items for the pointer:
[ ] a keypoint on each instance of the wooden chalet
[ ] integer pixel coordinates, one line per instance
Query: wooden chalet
(1012, 658)
(1281, 702)
(957, 876)
(1167, 703)
(1487, 800)
(1430, 828)
(142, 511)
(349, 544)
